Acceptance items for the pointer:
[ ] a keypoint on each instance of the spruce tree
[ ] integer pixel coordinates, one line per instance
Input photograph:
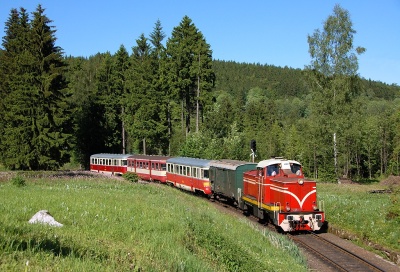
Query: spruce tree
(188, 69)
(143, 101)
(37, 127)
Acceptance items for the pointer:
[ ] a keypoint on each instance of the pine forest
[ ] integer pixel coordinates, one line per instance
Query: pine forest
(166, 95)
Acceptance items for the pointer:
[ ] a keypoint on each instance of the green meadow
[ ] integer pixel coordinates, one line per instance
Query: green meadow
(368, 216)
(115, 225)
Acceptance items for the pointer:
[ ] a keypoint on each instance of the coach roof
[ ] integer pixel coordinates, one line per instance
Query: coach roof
(229, 164)
(190, 162)
(110, 156)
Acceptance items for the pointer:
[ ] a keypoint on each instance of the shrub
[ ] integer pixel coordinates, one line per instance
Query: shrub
(18, 181)
(132, 177)
(394, 208)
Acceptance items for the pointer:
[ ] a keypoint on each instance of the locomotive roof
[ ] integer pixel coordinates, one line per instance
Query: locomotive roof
(189, 161)
(271, 161)
(229, 164)
(110, 156)
(149, 157)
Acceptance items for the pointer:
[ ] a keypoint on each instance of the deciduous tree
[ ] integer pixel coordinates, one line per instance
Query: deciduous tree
(333, 78)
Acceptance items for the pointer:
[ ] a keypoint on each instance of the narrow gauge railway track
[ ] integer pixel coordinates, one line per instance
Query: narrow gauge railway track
(323, 254)
(334, 255)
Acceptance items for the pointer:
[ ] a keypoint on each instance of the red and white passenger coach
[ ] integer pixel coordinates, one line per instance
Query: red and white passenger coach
(113, 164)
(189, 174)
(149, 167)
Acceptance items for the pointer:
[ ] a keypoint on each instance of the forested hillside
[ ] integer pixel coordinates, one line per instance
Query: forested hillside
(174, 99)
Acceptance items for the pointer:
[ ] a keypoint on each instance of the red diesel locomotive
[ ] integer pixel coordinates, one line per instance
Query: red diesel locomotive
(278, 191)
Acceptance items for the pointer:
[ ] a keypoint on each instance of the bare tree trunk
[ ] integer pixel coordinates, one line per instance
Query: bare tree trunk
(182, 116)
(144, 146)
(335, 157)
(197, 100)
(123, 133)
(169, 130)
(315, 164)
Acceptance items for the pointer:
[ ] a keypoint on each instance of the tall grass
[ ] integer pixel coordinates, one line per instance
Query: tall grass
(114, 225)
(356, 209)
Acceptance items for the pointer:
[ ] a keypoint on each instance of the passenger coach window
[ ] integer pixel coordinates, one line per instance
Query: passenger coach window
(163, 167)
(206, 173)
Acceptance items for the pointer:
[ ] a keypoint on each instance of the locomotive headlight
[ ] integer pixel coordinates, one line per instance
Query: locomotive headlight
(301, 181)
(287, 207)
(314, 206)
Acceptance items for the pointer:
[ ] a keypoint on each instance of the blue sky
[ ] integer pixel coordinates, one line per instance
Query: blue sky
(265, 32)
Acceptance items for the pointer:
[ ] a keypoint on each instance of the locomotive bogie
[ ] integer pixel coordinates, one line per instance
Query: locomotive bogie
(300, 222)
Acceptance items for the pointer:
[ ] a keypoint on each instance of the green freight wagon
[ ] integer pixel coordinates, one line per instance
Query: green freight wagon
(226, 177)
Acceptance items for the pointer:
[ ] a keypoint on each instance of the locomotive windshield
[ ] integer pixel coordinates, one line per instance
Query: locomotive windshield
(296, 168)
(273, 169)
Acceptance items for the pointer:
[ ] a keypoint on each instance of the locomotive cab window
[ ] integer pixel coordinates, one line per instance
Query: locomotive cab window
(295, 168)
(273, 170)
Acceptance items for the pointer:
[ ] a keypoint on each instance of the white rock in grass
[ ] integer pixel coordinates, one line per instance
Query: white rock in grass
(44, 217)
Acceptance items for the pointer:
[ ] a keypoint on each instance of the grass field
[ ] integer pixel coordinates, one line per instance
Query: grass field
(114, 225)
(372, 217)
